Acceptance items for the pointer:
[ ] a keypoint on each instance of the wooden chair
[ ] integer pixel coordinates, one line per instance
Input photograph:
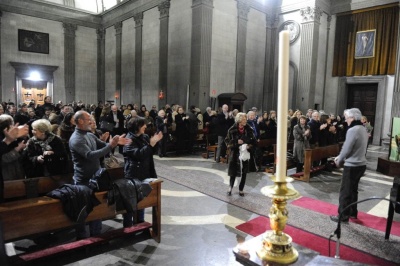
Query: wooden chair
(210, 148)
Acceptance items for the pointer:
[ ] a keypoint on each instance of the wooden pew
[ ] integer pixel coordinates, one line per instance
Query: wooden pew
(289, 163)
(47, 215)
(316, 154)
(33, 187)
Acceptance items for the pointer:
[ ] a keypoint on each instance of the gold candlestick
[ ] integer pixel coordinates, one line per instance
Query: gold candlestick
(276, 245)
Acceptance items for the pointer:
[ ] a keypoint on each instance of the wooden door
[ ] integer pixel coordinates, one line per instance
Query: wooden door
(363, 97)
(33, 90)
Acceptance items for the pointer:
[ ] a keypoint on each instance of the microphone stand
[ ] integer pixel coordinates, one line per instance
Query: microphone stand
(338, 228)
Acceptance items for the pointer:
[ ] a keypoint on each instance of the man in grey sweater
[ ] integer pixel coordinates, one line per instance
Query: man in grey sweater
(86, 150)
(352, 156)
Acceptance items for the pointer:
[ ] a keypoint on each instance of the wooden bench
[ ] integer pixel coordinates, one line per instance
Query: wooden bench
(39, 186)
(289, 162)
(47, 215)
(316, 154)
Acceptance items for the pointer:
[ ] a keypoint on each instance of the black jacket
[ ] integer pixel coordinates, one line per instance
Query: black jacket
(126, 194)
(78, 201)
(138, 157)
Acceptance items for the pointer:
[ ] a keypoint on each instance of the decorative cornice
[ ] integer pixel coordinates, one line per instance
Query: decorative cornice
(118, 28)
(101, 32)
(209, 3)
(69, 29)
(311, 14)
(164, 9)
(243, 9)
(138, 19)
(271, 20)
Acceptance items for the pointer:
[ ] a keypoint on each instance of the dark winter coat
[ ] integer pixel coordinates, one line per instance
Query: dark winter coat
(139, 163)
(235, 168)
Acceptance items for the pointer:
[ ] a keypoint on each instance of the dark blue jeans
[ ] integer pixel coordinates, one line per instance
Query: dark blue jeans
(349, 190)
(128, 218)
(94, 226)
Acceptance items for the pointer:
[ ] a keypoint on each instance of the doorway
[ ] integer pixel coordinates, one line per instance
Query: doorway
(364, 97)
(33, 90)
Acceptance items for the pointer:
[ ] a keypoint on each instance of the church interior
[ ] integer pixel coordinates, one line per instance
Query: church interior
(342, 54)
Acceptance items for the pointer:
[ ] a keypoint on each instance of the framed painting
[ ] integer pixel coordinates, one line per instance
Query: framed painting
(394, 147)
(365, 44)
(32, 41)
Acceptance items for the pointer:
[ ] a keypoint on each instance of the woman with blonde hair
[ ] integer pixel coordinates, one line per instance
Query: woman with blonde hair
(45, 151)
(241, 142)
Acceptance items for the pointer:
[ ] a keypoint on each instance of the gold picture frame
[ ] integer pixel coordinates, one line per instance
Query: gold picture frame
(365, 44)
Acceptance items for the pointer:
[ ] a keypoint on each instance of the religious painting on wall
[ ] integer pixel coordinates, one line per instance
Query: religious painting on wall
(394, 147)
(32, 41)
(365, 44)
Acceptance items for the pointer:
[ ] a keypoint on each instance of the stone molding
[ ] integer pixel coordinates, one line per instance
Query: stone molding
(138, 19)
(243, 9)
(209, 3)
(164, 9)
(118, 28)
(69, 29)
(271, 20)
(101, 33)
(311, 14)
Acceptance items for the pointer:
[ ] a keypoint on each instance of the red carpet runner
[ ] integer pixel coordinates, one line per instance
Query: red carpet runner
(260, 224)
(365, 219)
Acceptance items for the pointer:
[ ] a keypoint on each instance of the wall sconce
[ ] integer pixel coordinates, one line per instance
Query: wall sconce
(161, 95)
(116, 95)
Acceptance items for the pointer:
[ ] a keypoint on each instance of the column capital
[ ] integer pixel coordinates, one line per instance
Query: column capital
(311, 14)
(138, 19)
(271, 20)
(164, 9)
(209, 3)
(243, 9)
(101, 32)
(69, 29)
(118, 28)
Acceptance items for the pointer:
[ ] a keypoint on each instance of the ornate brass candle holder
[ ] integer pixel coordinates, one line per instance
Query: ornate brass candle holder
(277, 246)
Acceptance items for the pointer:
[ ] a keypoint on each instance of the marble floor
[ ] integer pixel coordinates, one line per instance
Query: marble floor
(200, 230)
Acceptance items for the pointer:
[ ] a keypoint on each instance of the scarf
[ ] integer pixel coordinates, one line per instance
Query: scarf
(44, 144)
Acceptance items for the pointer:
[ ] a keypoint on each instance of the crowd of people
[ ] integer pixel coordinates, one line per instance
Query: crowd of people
(46, 137)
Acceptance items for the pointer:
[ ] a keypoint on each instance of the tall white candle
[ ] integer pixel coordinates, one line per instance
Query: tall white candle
(283, 88)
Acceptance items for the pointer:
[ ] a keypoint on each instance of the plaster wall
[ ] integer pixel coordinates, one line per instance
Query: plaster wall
(150, 57)
(128, 61)
(179, 44)
(10, 23)
(110, 44)
(86, 65)
(255, 59)
(223, 51)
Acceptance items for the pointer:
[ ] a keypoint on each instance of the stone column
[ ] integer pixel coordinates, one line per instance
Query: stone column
(101, 67)
(243, 10)
(118, 60)
(163, 60)
(328, 29)
(308, 57)
(200, 59)
(269, 91)
(69, 61)
(137, 97)
(396, 90)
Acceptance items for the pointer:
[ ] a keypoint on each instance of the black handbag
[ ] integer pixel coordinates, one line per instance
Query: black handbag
(56, 164)
(106, 126)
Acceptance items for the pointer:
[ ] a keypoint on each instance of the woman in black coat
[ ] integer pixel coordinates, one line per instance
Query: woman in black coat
(181, 132)
(42, 147)
(240, 134)
(138, 155)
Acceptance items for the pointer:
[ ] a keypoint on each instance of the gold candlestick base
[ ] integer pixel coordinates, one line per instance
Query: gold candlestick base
(277, 246)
